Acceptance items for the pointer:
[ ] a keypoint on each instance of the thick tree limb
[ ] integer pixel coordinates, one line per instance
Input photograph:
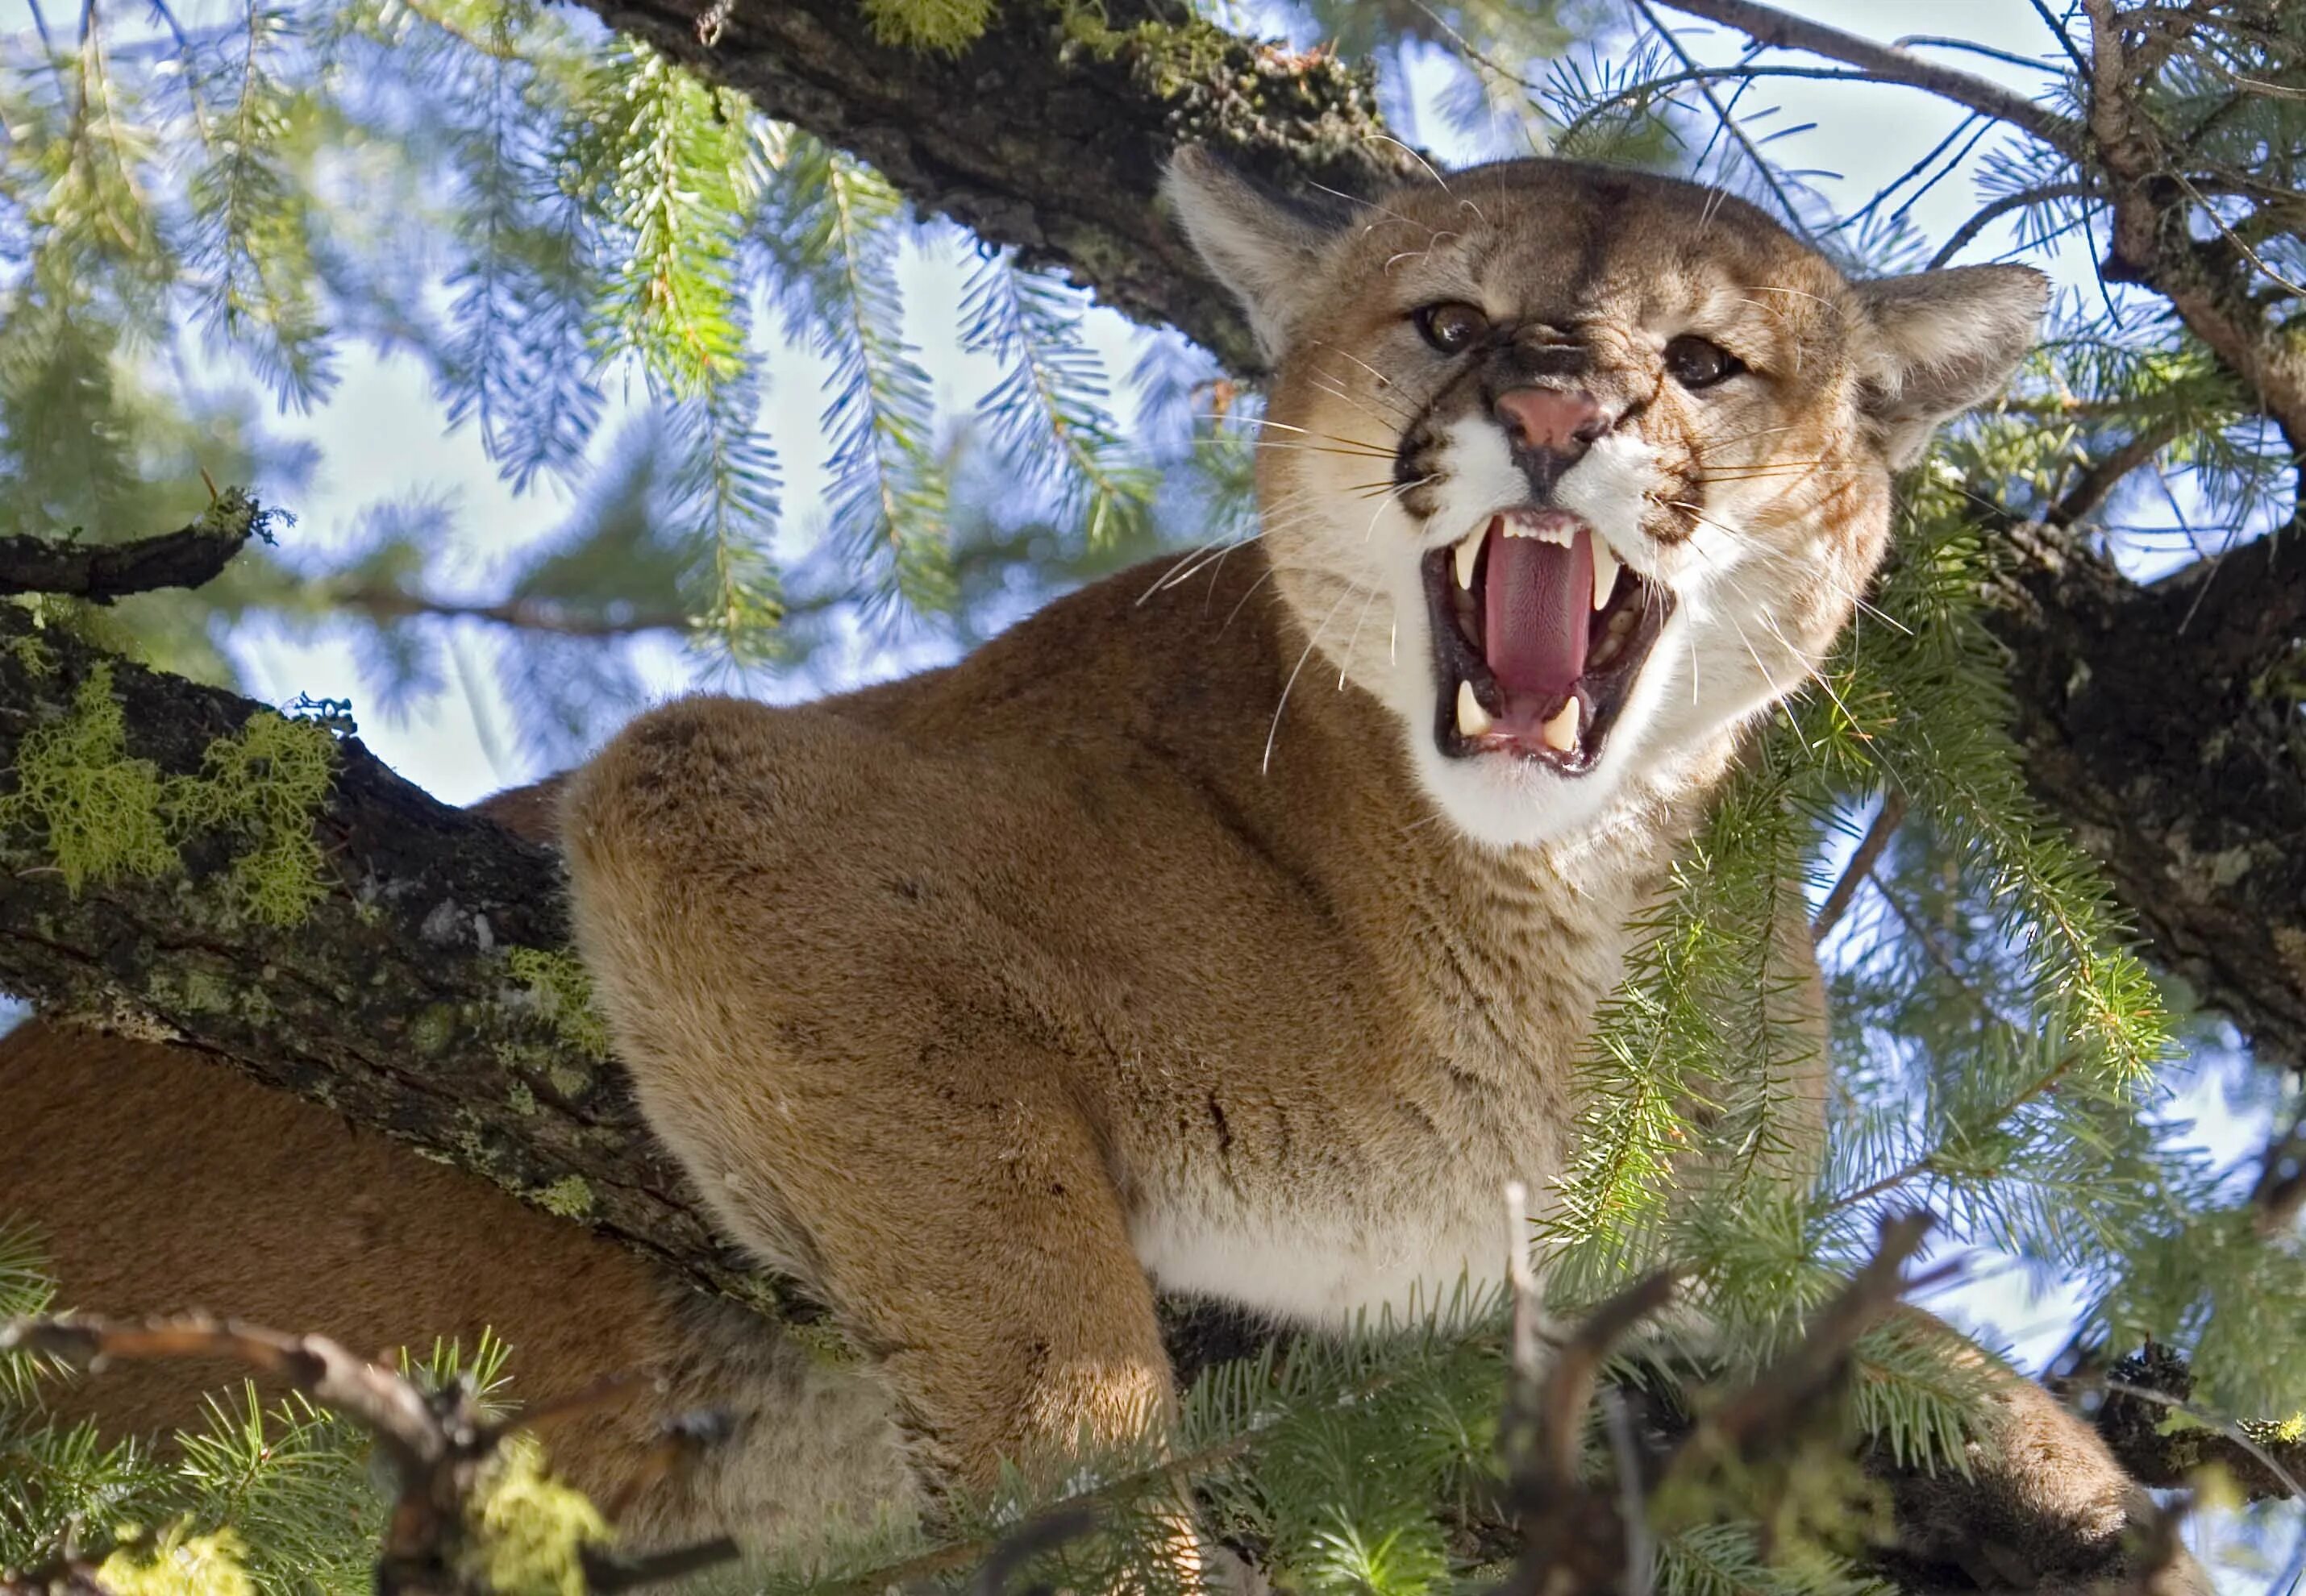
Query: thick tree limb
(1047, 133)
(2164, 723)
(394, 1003)
(103, 572)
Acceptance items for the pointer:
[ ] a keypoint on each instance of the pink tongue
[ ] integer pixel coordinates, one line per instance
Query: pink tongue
(1537, 610)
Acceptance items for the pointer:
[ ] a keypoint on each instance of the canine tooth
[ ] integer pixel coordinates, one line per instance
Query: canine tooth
(1561, 731)
(1473, 719)
(1605, 574)
(1469, 550)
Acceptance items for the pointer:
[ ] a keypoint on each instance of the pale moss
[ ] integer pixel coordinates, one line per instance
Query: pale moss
(526, 1530)
(568, 1197)
(431, 1028)
(562, 991)
(269, 783)
(207, 994)
(103, 814)
(523, 1100)
(179, 1565)
(33, 655)
(950, 26)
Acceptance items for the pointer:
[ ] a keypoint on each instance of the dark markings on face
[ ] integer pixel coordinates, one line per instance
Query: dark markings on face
(1417, 461)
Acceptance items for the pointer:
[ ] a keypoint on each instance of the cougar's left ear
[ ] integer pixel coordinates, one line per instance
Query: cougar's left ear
(1263, 250)
(1943, 341)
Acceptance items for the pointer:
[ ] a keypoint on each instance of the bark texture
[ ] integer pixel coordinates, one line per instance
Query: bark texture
(2167, 724)
(397, 1003)
(1051, 130)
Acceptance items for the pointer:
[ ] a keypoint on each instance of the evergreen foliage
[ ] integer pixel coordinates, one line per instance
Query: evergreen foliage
(609, 271)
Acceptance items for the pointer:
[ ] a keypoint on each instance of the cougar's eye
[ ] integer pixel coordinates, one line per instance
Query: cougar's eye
(1696, 362)
(1452, 327)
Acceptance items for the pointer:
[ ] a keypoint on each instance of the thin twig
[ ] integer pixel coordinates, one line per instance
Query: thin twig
(1987, 215)
(1887, 819)
(438, 1447)
(2102, 476)
(1762, 166)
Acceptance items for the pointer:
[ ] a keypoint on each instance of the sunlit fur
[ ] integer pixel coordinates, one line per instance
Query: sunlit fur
(1762, 503)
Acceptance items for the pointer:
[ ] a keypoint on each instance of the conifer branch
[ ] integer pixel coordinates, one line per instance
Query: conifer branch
(2153, 205)
(101, 573)
(389, 604)
(445, 1458)
(1114, 90)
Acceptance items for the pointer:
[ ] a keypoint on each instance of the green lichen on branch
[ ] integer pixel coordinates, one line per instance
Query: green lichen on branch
(102, 815)
(562, 991)
(949, 26)
(178, 1563)
(267, 784)
(527, 1532)
(568, 1197)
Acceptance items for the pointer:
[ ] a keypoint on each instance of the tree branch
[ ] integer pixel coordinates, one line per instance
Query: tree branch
(1887, 819)
(442, 1455)
(2154, 208)
(1767, 25)
(103, 572)
(2164, 723)
(1072, 184)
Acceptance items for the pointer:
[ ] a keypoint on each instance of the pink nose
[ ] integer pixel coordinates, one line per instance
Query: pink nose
(1552, 419)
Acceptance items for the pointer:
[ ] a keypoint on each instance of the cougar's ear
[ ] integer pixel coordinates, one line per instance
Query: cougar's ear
(1261, 248)
(1943, 341)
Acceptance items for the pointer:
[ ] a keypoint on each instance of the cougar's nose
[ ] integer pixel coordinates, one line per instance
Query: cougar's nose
(1551, 428)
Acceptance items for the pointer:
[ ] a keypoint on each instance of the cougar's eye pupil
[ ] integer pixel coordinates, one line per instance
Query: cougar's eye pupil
(1451, 327)
(1697, 363)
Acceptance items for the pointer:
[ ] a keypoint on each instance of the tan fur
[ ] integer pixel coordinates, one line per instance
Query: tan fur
(158, 1180)
(972, 997)
(1156, 935)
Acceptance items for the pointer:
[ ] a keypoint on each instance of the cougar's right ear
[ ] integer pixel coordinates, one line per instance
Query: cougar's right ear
(1263, 249)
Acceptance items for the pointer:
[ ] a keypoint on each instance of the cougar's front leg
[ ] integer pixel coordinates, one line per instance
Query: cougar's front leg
(898, 1146)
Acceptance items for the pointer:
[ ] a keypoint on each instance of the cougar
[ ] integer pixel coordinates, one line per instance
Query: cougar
(1232, 927)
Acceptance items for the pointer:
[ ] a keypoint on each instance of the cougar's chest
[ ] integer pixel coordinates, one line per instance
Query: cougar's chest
(1381, 1189)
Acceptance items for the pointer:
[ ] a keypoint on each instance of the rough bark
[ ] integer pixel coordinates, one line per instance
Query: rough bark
(100, 572)
(2164, 723)
(394, 1003)
(1046, 134)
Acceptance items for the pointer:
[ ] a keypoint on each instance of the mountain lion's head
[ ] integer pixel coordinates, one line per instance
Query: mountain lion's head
(1574, 467)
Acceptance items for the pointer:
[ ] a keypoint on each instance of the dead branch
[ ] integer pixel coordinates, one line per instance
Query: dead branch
(2264, 1461)
(443, 1457)
(100, 572)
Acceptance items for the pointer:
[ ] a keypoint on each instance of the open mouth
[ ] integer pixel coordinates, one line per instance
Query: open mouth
(1538, 635)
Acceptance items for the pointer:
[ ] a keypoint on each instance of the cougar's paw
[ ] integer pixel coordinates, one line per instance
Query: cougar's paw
(2046, 1509)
